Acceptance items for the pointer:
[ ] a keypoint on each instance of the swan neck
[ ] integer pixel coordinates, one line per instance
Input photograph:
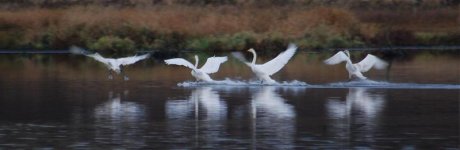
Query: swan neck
(254, 58)
(349, 61)
(196, 62)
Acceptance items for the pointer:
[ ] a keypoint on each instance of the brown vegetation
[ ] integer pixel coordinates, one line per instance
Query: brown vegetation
(224, 27)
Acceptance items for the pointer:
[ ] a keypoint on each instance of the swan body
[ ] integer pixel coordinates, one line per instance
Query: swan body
(113, 64)
(264, 71)
(201, 74)
(355, 70)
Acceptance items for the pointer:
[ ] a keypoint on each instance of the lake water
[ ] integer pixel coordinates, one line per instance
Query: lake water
(65, 101)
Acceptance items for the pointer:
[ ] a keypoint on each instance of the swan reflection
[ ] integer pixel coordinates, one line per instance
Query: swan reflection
(203, 104)
(273, 117)
(117, 110)
(271, 103)
(361, 108)
(121, 120)
(201, 99)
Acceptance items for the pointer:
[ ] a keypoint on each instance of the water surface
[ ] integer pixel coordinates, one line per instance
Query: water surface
(64, 101)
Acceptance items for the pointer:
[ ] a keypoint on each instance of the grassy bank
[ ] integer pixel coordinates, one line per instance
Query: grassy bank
(224, 27)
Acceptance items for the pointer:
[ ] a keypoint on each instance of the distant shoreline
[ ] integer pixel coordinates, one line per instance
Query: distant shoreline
(437, 48)
(226, 27)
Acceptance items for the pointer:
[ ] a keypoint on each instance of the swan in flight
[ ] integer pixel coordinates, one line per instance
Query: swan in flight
(264, 71)
(202, 74)
(113, 64)
(356, 70)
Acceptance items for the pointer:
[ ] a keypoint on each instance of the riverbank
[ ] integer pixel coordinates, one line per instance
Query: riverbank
(225, 28)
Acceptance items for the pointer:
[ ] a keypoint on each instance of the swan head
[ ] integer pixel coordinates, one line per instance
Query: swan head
(251, 50)
(347, 52)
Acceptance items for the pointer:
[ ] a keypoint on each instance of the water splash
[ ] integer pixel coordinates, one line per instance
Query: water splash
(384, 84)
(345, 84)
(230, 82)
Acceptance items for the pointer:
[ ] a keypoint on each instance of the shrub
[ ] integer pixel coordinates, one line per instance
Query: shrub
(225, 42)
(11, 39)
(322, 37)
(239, 41)
(397, 37)
(113, 43)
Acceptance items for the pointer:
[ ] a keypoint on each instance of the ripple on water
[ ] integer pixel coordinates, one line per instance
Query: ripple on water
(295, 83)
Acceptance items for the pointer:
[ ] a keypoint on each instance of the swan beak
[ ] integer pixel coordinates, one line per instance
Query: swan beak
(251, 49)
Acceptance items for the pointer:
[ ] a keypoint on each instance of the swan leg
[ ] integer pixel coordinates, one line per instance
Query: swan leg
(126, 78)
(360, 76)
(268, 80)
(122, 72)
(357, 76)
(110, 75)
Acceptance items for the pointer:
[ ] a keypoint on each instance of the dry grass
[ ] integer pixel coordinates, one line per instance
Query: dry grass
(83, 25)
(184, 19)
(418, 20)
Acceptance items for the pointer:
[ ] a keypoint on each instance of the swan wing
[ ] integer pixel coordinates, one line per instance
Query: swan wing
(98, 57)
(132, 59)
(180, 62)
(240, 57)
(95, 56)
(277, 63)
(337, 58)
(212, 64)
(78, 50)
(371, 61)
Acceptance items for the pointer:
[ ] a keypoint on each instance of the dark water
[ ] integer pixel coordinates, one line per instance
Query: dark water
(65, 102)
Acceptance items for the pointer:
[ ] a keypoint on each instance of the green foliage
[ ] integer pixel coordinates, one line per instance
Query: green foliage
(44, 40)
(10, 39)
(113, 43)
(334, 28)
(226, 42)
(438, 38)
(239, 40)
(322, 37)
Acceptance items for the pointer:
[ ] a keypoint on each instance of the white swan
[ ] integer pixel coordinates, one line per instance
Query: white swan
(113, 64)
(211, 66)
(355, 70)
(264, 71)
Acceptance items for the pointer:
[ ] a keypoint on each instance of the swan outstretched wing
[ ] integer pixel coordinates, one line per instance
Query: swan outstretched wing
(337, 58)
(371, 61)
(81, 51)
(78, 50)
(240, 57)
(212, 64)
(98, 57)
(181, 62)
(132, 59)
(279, 61)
